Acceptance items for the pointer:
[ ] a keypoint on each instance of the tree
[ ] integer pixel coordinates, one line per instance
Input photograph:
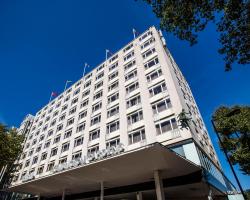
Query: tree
(233, 125)
(10, 149)
(186, 18)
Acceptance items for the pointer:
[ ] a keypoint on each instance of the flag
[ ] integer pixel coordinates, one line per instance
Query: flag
(53, 94)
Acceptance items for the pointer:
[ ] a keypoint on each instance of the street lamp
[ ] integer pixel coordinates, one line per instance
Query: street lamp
(235, 111)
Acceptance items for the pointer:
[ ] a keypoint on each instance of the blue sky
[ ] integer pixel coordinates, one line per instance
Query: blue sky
(44, 43)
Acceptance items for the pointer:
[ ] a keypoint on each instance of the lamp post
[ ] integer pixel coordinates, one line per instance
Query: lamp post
(236, 111)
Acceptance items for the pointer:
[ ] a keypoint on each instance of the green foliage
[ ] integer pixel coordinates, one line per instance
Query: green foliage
(10, 145)
(186, 18)
(233, 124)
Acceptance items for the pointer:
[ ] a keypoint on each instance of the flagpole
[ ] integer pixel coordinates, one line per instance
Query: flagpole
(134, 33)
(50, 97)
(66, 85)
(84, 69)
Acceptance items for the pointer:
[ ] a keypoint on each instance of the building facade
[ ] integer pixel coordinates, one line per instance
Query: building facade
(130, 101)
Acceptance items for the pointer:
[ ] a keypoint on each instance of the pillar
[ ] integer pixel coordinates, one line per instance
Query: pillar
(159, 186)
(139, 196)
(63, 195)
(102, 191)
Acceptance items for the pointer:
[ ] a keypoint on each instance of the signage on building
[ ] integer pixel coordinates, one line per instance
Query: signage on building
(99, 155)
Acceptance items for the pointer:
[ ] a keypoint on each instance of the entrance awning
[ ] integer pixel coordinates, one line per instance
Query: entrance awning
(127, 168)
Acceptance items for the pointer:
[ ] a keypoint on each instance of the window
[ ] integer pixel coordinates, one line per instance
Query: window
(147, 43)
(40, 169)
(113, 86)
(132, 87)
(153, 75)
(95, 120)
(113, 58)
(80, 127)
(57, 139)
(82, 114)
(78, 141)
(129, 65)
(127, 48)
(152, 62)
(113, 142)
(113, 111)
(99, 76)
(76, 92)
(78, 83)
(27, 163)
(93, 150)
(65, 147)
(94, 134)
(50, 166)
(68, 133)
(59, 127)
(158, 89)
(84, 103)
(55, 113)
(98, 85)
(131, 75)
(87, 84)
(53, 123)
(47, 119)
(67, 98)
(100, 68)
(53, 152)
(113, 126)
(145, 35)
(44, 156)
(113, 75)
(34, 161)
(136, 136)
(50, 132)
(47, 143)
(113, 97)
(128, 56)
(77, 155)
(41, 138)
(97, 106)
(74, 101)
(113, 66)
(70, 121)
(135, 117)
(69, 90)
(72, 110)
(148, 53)
(97, 95)
(39, 148)
(31, 152)
(161, 106)
(34, 142)
(64, 107)
(86, 93)
(63, 160)
(166, 126)
(134, 101)
(88, 76)
(62, 117)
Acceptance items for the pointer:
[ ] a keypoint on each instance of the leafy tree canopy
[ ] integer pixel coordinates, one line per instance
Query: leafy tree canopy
(10, 145)
(186, 18)
(233, 125)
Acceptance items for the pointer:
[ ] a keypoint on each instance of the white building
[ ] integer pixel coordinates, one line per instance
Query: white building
(119, 123)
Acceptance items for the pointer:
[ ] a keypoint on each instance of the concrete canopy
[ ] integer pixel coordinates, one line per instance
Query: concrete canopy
(128, 168)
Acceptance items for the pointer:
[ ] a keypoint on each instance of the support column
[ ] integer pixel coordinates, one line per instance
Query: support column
(139, 196)
(159, 186)
(102, 191)
(63, 195)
